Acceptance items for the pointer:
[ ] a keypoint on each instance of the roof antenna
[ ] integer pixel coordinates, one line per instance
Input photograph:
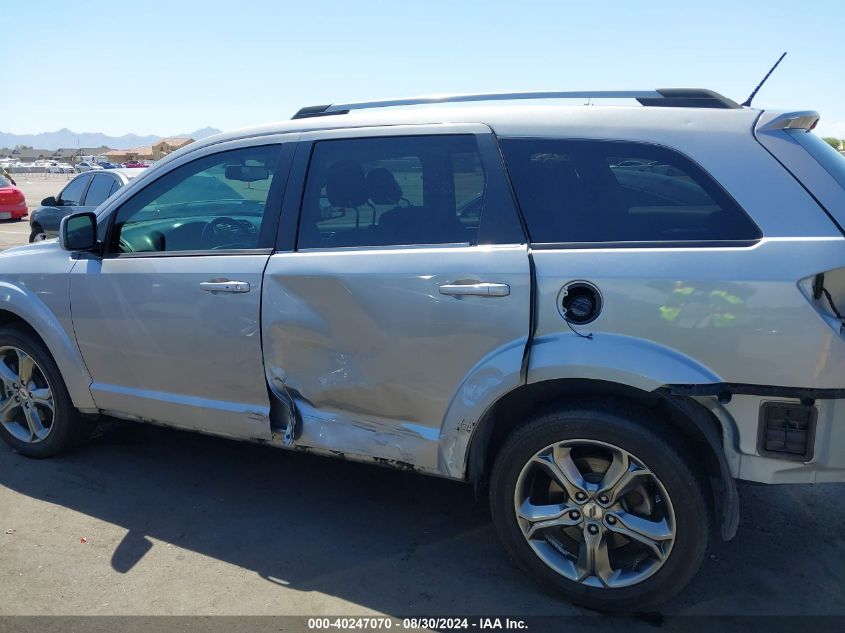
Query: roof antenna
(747, 102)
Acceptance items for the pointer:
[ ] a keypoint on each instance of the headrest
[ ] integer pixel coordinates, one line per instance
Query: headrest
(345, 184)
(382, 186)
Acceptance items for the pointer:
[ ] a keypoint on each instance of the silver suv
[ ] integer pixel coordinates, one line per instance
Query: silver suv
(602, 316)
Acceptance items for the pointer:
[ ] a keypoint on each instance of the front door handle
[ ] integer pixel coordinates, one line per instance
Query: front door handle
(225, 286)
(483, 289)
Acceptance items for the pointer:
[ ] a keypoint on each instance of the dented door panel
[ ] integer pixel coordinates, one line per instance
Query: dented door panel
(374, 355)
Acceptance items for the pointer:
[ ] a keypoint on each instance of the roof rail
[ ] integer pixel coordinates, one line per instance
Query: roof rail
(666, 97)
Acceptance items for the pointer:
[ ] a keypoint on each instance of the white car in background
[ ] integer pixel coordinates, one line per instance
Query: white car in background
(60, 168)
(86, 166)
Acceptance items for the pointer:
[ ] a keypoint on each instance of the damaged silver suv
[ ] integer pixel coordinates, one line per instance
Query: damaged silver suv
(603, 316)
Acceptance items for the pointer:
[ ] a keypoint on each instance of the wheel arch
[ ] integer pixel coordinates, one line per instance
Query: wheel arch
(62, 350)
(686, 418)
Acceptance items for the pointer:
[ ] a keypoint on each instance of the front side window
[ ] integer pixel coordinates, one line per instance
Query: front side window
(213, 203)
(613, 191)
(72, 194)
(393, 191)
(100, 189)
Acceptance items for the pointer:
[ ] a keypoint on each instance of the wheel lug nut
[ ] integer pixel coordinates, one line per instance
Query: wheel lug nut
(593, 528)
(611, 520)
(580, 496)
(574, 515)
(603, 499)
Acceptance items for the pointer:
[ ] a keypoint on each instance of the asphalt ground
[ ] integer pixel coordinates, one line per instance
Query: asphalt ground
(146, 520)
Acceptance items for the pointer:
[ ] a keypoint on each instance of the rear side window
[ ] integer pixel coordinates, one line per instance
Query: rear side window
(613, 191)
(393, 191)
(100, 189)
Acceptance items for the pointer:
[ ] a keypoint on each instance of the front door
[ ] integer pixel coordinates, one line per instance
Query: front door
(168, 319)
(407, 293)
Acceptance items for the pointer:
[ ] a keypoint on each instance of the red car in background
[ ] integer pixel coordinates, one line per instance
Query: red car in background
(12, 201)
(134, 163)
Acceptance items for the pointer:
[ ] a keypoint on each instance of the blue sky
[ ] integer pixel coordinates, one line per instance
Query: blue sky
(153, 67)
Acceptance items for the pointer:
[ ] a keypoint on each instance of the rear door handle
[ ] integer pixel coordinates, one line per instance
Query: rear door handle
(225, 286)
(484, 289)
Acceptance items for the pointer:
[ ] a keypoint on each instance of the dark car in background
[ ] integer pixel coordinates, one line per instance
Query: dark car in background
(110, 165)
(84, 193)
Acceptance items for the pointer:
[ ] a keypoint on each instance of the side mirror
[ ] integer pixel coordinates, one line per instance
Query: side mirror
(78, 232)
(50, 201)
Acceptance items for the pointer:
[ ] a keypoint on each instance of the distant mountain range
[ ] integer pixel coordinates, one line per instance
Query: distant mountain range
(68, 138)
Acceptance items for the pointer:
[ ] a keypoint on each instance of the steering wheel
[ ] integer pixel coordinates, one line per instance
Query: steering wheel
(224, 230)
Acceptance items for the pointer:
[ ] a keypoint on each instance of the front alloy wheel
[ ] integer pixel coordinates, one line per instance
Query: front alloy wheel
(37, 416)
(26, 407)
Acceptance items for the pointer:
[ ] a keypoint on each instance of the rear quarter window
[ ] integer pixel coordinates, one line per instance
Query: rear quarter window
(588, 191)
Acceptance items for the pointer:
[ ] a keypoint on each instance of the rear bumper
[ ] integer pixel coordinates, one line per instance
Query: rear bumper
(740, 419)
(16, 212)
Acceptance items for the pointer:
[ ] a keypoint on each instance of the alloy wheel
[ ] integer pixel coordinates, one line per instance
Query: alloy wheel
(594, 513)
(26, 400)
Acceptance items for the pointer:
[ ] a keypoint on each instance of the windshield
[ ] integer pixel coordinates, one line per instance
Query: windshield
(4, 182)
(825, 155)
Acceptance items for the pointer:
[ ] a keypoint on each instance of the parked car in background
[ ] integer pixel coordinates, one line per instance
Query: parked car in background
(86, 166)
(134, 164)
(60, 168)
(110, 165)
(83, 193)
(12, 201)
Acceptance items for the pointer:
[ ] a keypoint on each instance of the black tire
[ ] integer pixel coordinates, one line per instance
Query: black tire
(69, 428)
(629, 429)
(36, 230)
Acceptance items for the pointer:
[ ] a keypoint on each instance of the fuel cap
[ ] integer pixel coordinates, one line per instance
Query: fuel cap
(579, 302)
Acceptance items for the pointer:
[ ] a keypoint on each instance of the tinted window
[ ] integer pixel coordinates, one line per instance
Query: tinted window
(393, 191)
(214, 203)
(72, 194)
(608, 191)
(4, 182)
(100, 189)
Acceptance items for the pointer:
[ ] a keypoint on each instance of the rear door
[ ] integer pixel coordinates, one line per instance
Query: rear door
(405, 292)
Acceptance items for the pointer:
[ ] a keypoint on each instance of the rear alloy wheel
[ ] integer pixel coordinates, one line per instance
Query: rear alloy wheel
(37, 416)
(599, 507)
(594, 513)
